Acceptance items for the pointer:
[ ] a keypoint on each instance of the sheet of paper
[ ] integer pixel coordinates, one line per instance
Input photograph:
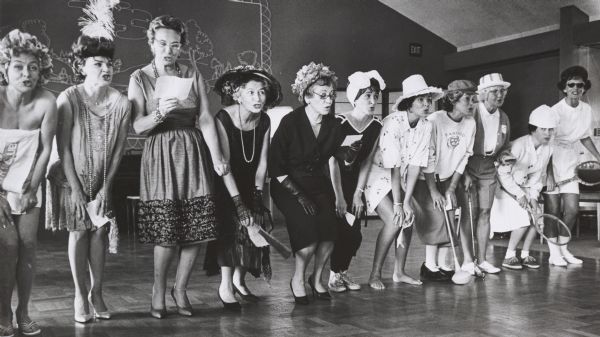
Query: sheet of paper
(351, 139)
(97, 219)
(255, 237)
(350, 218)
(173, 86)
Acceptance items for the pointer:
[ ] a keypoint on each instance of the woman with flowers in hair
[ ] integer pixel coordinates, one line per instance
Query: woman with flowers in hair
(300, 187)
(27, 126)
(363, 92)
(91, 138)
(244, 130)
(177, 197)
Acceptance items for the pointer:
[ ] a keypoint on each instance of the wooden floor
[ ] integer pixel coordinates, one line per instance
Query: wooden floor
(551, 301)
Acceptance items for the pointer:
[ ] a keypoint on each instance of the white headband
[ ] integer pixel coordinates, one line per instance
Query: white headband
(360, 80)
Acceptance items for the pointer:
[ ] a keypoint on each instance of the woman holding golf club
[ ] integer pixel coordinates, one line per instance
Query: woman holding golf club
(453, 136)
(574, 120)
(520, 174)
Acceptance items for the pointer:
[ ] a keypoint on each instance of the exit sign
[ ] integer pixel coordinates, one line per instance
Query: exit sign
(415, 49)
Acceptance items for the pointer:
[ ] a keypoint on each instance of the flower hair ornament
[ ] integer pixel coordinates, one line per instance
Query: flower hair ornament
(98, 20)
(308, 75)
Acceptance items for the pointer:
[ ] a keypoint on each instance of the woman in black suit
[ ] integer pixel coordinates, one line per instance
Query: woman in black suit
(302, 145)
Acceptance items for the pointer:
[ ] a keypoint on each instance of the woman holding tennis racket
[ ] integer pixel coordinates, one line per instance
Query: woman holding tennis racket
(574, 120)
(520, 175)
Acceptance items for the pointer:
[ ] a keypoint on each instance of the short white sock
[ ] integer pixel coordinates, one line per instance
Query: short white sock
(524, 254)
(510, 253)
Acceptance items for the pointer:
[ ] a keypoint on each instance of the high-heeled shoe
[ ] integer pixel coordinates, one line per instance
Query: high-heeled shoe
(232, 306)
(158, 313)
(101, 314)
(250, 297)
(183, 311)
(325, 296)
(80, 317)
(298, 299)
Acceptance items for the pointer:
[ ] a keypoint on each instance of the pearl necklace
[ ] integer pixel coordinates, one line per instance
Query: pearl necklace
(242, 139)
(89, 159)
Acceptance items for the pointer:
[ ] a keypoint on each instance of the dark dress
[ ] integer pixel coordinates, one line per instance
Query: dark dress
(177, 198)
(235, 247)
(296, 152)
(349, 237)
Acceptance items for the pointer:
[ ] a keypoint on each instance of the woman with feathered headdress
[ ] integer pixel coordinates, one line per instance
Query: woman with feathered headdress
(91, 138)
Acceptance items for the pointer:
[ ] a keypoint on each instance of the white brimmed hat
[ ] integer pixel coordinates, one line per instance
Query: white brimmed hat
(543, 117)
(491, 80)
(414, 85)
(360, 80)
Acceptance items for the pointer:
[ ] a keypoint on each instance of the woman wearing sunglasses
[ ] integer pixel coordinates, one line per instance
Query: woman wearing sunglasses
(575, 118)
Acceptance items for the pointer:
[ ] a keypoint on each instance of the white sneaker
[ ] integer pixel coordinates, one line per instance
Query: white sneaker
(557, 260)
(348, 281)
(572, 259)
(488, 268)
(469, 268)
(336, 284)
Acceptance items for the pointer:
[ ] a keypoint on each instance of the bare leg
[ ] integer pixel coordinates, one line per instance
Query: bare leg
(571, 211)
(529, 237)
(386, 236)
(187, 259)
(516, 236)
(239, 280)
(79, 246)
(399, 274)
(98, 243)
(27, 225)
(9, 246)
(466, 242)
(226, 286)
(303, 257)
(162, 260)
(483, 232)
(323, 251)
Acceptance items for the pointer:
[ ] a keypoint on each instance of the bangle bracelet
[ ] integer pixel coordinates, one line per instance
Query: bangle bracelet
(157, 116)
(397, 204)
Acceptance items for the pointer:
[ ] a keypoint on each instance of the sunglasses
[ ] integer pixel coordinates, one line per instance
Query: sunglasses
(579, 85)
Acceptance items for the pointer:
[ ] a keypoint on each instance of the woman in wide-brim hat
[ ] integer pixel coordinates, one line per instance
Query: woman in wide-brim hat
(244, 129)
(402, 150)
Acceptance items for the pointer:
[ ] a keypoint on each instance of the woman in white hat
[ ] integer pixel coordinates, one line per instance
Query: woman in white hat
(363, 92)
(574, 120)
(453, 136)
(402, 150)
(520, 175)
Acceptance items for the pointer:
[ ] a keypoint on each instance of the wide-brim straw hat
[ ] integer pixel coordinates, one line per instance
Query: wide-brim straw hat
(415, 85)
(233, 78)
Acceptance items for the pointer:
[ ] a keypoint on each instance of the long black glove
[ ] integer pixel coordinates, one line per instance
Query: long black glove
(348, 154)
(261, 214)
(309, 207)
(243, 213)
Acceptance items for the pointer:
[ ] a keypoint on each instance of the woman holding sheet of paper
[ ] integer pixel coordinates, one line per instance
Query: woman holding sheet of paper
(93, 124)
(361, 129)
(244, 130)
(177, 200)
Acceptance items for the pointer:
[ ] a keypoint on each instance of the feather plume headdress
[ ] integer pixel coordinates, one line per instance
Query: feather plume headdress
(98, 20)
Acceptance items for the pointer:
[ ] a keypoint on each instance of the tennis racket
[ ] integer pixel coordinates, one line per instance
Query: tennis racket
(586, 173)
(546, 224)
